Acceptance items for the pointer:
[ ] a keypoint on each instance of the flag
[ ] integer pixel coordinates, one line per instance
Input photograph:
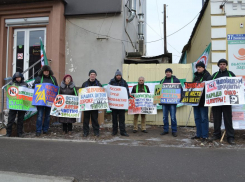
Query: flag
(44, 60)
(203, 58)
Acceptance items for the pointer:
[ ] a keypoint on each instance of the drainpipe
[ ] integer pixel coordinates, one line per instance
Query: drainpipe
(125, 27)
(132, 8)
(7, 53)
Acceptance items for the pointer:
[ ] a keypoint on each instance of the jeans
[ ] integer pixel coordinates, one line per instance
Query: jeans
(40, 125)
(201, 120)
(121, 114)
(166, 108)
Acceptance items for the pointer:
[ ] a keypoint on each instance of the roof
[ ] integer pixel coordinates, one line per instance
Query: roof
(187, 46)
(3, 2)
(86, 7)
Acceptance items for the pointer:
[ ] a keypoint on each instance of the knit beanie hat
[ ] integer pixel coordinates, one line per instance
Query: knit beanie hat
(66, 77)
(169, 69)
(118, 73)
(92, 71)
(200, 63)
(222, 61)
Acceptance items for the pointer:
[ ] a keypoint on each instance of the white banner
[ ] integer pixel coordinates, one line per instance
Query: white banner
(142, 103)
(224, 91)
(92, 98)
(117, 97)
(65, 106)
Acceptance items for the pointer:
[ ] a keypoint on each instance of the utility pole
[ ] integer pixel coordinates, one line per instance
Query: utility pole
(165, 29)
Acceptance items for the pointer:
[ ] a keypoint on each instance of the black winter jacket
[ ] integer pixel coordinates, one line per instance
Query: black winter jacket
(223, 74)
(46, 79)
(121, 83)
(88, 83)
(204, 76)
(141, 89)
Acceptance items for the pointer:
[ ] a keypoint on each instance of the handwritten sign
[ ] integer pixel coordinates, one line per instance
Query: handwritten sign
(167, 93)
(65, 106)
(224, 91)
(20, 98)
(117, 97)
(92, 98)
(44, 94)
(192, 92)
(142, 103)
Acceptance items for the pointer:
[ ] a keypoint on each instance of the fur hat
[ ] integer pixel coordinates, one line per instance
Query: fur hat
(45, 68)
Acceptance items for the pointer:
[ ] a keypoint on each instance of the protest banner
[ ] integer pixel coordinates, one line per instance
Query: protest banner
(20, 98)
(65, 106)
(117, 97)
(167, 93)
(224, 91)
(92, 98)
(44, 94)
(142, 103)
(192, 93)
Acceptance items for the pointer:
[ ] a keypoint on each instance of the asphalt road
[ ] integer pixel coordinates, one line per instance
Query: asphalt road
(98, 162)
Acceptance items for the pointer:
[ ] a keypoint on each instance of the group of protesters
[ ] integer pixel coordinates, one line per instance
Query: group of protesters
(67, 87)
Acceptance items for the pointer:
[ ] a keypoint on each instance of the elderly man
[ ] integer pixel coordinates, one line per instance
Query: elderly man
(225, 110)
(140, 88)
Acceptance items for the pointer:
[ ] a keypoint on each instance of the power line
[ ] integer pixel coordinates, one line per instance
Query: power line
(129, 41)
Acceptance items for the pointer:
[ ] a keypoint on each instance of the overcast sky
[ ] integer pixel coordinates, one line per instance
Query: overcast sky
(179, 13)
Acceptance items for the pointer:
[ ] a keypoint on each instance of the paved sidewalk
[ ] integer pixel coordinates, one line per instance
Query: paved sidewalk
(22, 177)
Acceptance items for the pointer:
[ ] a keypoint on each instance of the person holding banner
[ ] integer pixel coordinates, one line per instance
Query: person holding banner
(201, 112)
(166, 108)
(45, 75)
(17, 80)
(119, 81)
(67, 87)
(92, 81)
(226, 110)
(140, 88)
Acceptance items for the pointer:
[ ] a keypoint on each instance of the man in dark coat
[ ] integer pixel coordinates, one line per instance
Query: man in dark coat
(119, 81)
(166, 108)
(201, 112)
(67, 87)
(140, 88)
(92, 81)
(226, 110)
(17, 80)
(44, 76)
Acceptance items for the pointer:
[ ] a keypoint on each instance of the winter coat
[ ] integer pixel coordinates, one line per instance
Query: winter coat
(141, 89)
(88, 83)
(168, 80)
(121, 83)
(204, 76)
(223, 74)
(67, 90)
(46, 79)
(21, 83)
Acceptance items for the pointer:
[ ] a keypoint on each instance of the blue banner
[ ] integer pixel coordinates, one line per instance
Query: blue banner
(171, 93)
(44, 94)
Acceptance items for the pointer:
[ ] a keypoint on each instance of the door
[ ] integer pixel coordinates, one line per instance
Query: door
(27, 50)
